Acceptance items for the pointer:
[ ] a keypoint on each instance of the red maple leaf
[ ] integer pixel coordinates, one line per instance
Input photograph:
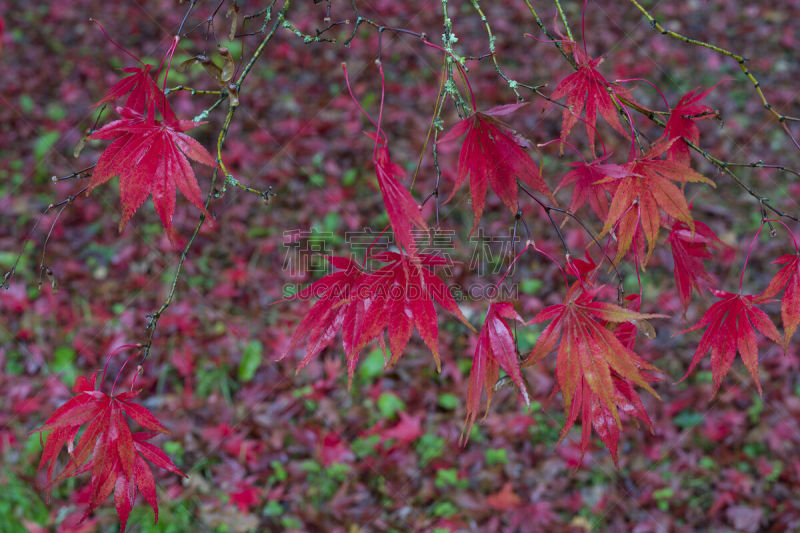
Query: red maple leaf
(143, 92)
(406, 431)
(587, 87)
(689, 248)
(492, 155)
(730, 324)
(789, 277)
(644, 187)
(150, 158)
(682, 124)
(116, 457)
(337, 302)
(590, 357)
(401, 207)
(586, 178)
(496, 349)
(395, 299)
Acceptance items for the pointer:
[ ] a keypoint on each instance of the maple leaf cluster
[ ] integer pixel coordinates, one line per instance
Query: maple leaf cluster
(598, 372)
(597, 368)
(116, 457)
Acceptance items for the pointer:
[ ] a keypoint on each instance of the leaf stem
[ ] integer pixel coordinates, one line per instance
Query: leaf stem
(749, 251)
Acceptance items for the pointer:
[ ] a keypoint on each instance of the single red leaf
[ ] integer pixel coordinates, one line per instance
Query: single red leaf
(150, 158)
(689, 248)
(492, 155)
(401, 207)
(496, 349)
(729, 324)
(586, 87)
(106, 448)
(586, 179)
(504, 500)
(245, 496)
(144, 94)
(788, 277)
(406, 431)
(395, 299)
(682, 124)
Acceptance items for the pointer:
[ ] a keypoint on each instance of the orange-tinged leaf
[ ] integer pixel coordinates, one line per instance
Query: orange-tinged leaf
(642, 190)
(591, 360)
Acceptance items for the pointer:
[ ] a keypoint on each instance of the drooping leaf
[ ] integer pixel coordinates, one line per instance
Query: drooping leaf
(116, 458)
(689, 248)
(338, 300)
(788, 277)
(144, 94)
(595, 414)
(150, 158)
(401, 207)
(729, 324)
(496, 349)
(491, 155)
